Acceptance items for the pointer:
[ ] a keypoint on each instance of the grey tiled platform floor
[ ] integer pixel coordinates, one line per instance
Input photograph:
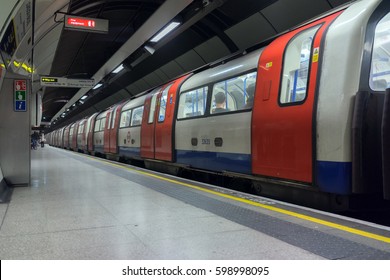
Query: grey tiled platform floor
(73, 210)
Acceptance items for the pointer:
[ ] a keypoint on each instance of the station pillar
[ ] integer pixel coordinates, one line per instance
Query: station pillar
(15, 126)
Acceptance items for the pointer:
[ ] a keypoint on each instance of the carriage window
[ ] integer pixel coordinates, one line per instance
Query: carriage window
(380, 65)
(296, 67)
(113, 118)
(152, 108)
(109, 119)
(102, 124)
(163, 104)
(71, 130)
(192, 103)
(97, 125)
(125, 118)
(136, 118)
(88, 128)
(233, 94)
(81, 129)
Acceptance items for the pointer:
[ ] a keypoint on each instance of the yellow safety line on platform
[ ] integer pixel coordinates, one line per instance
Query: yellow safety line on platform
(261, 205)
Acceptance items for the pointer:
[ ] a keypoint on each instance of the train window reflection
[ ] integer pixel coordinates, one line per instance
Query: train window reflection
(163, 104)
(81, 128)
(237, 93)
(296, 67)
(380, 65)
(97, 125)
(192, 103)
(152, 108)
(136, 118)
(71, 130)
(102, 124)
(125, 118)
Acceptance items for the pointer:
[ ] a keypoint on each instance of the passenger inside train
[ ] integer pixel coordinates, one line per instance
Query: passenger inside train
(250, 92)
(220, 103)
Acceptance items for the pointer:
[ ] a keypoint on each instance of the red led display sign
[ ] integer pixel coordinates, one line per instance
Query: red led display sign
(86, 24)
(81, 22)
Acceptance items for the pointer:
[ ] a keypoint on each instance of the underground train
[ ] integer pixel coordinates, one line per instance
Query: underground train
(307, 116)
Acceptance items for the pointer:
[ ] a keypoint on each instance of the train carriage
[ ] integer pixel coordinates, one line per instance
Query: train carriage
(309, 111)
(211, 140)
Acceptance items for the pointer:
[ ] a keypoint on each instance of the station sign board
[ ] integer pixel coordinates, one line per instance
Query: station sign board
(66, 82)
(20, 98)
(98, 25)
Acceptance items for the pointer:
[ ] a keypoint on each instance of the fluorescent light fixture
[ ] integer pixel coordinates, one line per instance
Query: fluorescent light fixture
(84, 97)
(149, 49)
(118, 69)
(165, 31)
(97, 86)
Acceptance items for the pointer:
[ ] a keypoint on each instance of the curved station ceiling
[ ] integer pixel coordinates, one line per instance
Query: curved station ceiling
(206, 31)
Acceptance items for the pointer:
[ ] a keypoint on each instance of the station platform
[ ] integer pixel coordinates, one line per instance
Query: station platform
(82, 207)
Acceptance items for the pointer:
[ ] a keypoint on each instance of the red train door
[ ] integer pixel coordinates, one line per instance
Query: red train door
(107, 128)
(113, 131)
(90, 128)
(83, 135)
(148, 125)
(164, 121)
(74, 136)
(282, 120)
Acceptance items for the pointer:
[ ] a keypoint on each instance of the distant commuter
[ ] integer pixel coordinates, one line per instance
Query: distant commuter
(220, 103)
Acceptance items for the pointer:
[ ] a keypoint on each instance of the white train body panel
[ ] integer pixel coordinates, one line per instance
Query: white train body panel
(213, 141)
(233, 128)
(339, 81)
(129, 136)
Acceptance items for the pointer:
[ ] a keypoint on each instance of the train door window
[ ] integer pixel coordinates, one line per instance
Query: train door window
(296, 67)
(109, 119)
(71, 130)
(88, 125)
(81, 128)
(102, 124)
(233, 94)
(136, 118)
(192, 103)
(97, 125)
(152, 107)
(125, 118)
(163, 104)
(113, 118)
(380, 62)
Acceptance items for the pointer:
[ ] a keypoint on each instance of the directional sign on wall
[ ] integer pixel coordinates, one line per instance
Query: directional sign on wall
(65, 82)
(20, 98)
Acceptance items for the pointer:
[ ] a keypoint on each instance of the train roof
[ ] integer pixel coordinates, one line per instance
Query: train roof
(229, 69)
